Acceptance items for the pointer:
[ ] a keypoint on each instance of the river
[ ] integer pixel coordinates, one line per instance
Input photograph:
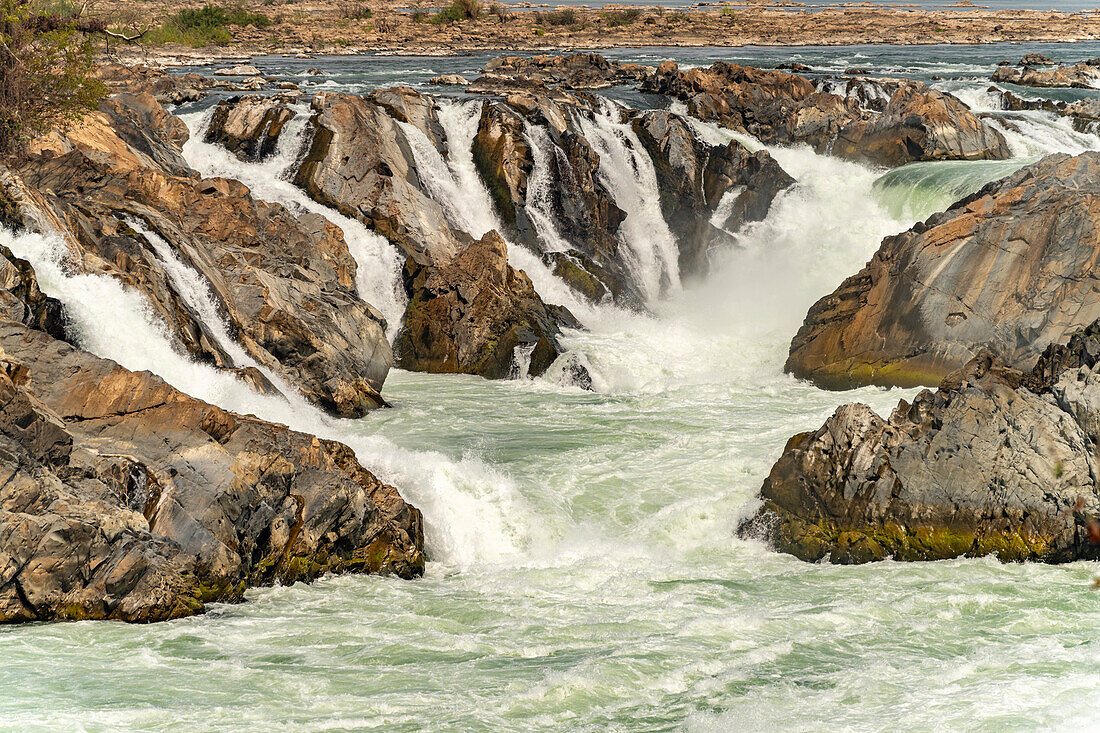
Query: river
(584, 571)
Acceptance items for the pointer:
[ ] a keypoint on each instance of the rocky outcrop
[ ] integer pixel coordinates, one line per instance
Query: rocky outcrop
(917, 124)
(1010, 268)
(359, 164)
(920, 123)
(475, 315)
(1079, 76)
(166, 88)
(996, 461)
(588, 71)
(284, 284)
(249, 126)
(694, 177)
(123, 498)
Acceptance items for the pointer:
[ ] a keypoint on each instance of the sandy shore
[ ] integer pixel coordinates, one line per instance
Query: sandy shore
(339, 28)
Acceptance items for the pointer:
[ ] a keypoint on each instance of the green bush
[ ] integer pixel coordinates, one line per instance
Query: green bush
(458, 11)
(565, 16)
(199, 27)
(46, 61)
(622, 17)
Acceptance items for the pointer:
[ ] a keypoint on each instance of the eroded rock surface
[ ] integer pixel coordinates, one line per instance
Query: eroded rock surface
(249, 126)
(1081, 76)
(996, 461)
(1012, 267)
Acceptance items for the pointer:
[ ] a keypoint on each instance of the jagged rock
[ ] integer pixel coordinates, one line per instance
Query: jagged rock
(1080, 76)
(359, 164)
(249, 126)
(918, 123)
(921, 123)
(1013, 103)
(122, 498)
(405, 104)
(693, 177)
(165, 88)
(471, 314)
(1011, 267)
(449, 80)
(995, 462)
(284, 284)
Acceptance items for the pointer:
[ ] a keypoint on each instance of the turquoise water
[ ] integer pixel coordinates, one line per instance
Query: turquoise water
(585, 573)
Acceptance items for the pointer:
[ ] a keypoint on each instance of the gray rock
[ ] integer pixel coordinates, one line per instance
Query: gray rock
(249, 126)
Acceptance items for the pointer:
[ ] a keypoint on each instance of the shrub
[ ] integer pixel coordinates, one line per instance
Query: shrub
(199, 27)
(622, 17)
(357, 11)
(46, 60)
(565, 16)
(458, 11)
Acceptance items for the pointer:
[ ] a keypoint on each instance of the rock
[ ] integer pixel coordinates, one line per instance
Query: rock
(359, 164)
(1081, 76)
(996, 461)
(857, 71)
(1036, 59)
(165, 88)
(921, 123)
(694, 177)
(578, 71)
(405, 104)
(796, 67)
(315, 72)
(449, 80)
(1013, 103)
(239, 70)
(918, 123)
(125, 499)
(471, 315)
(1010, 267)
(284, 284)
(249, 127)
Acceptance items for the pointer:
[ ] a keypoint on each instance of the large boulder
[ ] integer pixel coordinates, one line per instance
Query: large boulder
(359, 163)
(249, 126)
(477, 315)
(122, 498)
(917, 124)
(996, 461)
(577, 71)
(1010, 268)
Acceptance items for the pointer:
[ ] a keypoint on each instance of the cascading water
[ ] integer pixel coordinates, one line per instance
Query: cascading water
(539, 204)
(627, 172)
(585, 573)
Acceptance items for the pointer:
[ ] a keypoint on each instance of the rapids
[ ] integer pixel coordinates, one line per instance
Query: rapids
(584, 571)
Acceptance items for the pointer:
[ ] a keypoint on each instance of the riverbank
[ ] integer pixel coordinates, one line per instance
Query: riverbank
(352, 28)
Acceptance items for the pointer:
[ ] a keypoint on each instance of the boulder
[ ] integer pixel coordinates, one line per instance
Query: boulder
(577, 71)
(1010, 268)
(122, 498)
(1036, 59)
(476, 315)
(239, 70)
(996, 461)
(249, 126)
(359, 163)
(450, 80)
(165, 88)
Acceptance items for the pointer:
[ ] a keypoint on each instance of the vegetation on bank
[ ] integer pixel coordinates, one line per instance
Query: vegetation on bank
(198, 27)
(46, 64)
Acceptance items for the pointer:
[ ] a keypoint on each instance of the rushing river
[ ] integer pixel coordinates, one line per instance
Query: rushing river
(584, 571)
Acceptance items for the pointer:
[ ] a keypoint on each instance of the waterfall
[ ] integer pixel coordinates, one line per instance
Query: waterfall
(651, 252)
(378, 271)
(539, 204)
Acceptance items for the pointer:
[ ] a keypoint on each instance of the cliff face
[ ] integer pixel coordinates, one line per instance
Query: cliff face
(1010, 268)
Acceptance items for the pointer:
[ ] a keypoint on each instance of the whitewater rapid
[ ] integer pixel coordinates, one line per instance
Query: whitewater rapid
(584, 572)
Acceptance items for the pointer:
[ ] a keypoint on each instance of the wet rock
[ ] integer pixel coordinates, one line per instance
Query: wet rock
(578, 71)
(1036, 59)
(1080, 76)
(918, 123)
(359, 163)
(249, 127)
(125, 499)
(284, 284)
(996, 461)
(694, 178)
(1010, 267)
(472, 314)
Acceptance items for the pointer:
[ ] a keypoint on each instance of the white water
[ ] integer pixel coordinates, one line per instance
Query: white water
(627, 172)
(379, 262)
(585, 574)
(539, 204)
